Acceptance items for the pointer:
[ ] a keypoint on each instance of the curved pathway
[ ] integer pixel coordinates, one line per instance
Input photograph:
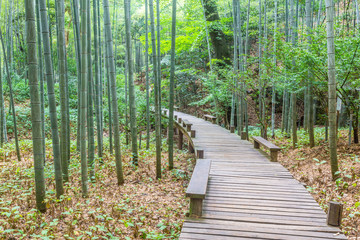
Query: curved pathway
(249, 197)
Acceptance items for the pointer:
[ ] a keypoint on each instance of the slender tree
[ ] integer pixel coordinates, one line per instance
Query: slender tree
(273, 98)
(41, 76)
(90, 103)
(171, 94)
(106, 60)
(37, 136)
(111, 62)
(235, 67)
(126, 99)
(332, 86)
(97, 100)
(60, 11)
(310, 118)
(2, 113)
(132, 100)
(158, 38)
(51, 99)
(294, 119)
(147, 76)
(83, 94)
(156, 92)
(78, 65)
(12, 105)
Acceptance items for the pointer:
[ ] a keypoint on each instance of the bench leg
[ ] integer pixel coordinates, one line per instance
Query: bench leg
(274, 156)
(256, 145)
(191, 149)
(180, 142)
(196, 205)
(200, 154)
(243, 136)
(188, 128)
(334, 215)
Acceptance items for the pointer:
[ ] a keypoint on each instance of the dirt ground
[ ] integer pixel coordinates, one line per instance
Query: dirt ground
(312, 167)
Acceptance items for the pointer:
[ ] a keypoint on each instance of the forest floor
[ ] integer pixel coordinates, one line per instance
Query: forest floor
(311, 166)
(142, 208)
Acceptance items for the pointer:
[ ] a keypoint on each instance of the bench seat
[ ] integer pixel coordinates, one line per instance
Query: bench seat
(265, 143)
(196, 190)
(211, 118)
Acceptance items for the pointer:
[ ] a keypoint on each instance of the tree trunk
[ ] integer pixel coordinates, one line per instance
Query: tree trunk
(171, 94)
(111, 62)
(90, 97)
(158, 59)
(218, 38)
(78, 66)
(109, 102)
(156, 92)
(83, 97)
(62, 85)
(51, 99)
(2, 113)
(332, 87)
(132, 105)
(37, 136)
(41, 78)
(294, 120)
(147, 77)
(356, 128)
(97, 80)
(273, 99)
(126, 99)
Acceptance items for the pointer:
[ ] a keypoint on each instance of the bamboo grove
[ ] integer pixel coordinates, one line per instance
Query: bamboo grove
(228, 58)
(95, 64)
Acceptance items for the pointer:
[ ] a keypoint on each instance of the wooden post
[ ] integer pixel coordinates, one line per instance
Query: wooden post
(190, 147)
(193, 133)
(180, 142)
(243, 135)
(232, 129)
(334, 214)
(256, 145)
(200, 154)
(274, 155)
(179, 120)
(175, 117)
(188, 127)
(196, 207)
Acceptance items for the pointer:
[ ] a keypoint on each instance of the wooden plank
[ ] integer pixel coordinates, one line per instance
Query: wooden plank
(260, 228)
(326, 229)
(257, 235)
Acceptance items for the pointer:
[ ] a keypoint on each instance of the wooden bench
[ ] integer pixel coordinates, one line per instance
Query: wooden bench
(272, 147)
(211, 118)
(196, 190)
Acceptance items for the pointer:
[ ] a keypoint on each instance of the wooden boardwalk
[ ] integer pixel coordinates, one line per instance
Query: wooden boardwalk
(249, 197)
